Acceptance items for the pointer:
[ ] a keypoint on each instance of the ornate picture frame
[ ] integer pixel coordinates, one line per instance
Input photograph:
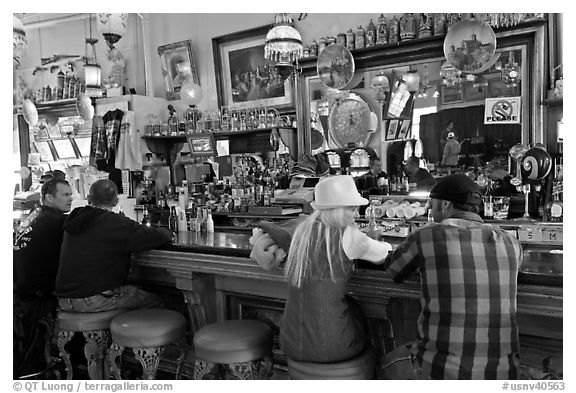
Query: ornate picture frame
(177, 62)
(244, 77)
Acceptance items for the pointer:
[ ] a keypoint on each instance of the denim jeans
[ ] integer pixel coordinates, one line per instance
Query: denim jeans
(126, 297)
(400, 363)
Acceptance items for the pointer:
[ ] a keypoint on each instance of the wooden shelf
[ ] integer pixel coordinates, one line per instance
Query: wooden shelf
(167, 138)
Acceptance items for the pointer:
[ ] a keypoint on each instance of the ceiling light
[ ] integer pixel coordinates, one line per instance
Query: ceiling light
(283, 45)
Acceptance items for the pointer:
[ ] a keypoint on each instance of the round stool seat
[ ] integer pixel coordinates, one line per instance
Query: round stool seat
(84, 321)
(147, 328)
(360, 367)
(234, 341)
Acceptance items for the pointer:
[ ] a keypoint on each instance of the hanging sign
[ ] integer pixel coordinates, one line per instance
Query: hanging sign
(503, 110)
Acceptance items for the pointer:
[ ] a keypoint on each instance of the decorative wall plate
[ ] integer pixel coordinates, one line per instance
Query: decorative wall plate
(470, 46)
(347, 121)
(335, 66)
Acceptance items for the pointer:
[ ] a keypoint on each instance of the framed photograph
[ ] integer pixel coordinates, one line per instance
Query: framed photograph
(450, 94)
(404, 128)
(201, 145)
(177, 64)
(244, 78)
(392, 129)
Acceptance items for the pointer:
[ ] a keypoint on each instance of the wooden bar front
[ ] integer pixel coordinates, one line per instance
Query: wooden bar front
(218, 281)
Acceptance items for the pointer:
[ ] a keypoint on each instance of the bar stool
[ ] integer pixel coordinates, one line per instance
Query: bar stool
(361, 367)
(94, 326)
(238, 349)
(147, 332)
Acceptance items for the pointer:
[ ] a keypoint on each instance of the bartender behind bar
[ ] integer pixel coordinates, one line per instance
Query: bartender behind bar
(376, 179)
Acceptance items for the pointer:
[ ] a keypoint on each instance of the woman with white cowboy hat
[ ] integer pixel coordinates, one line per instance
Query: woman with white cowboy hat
(320, 323)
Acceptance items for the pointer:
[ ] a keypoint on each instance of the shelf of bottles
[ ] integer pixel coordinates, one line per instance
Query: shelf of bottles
(250, 184)
(225, 121)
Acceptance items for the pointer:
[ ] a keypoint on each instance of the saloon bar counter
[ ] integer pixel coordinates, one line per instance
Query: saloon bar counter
(219, 281)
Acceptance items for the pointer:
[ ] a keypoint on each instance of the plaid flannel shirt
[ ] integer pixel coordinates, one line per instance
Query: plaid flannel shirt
(468, 271)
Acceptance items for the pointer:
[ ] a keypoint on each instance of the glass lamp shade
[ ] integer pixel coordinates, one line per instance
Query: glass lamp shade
(19, 41)
(412, 80)
(112, 26)
(283, 41)
(191, 93)
(380, 85)
(92, 76)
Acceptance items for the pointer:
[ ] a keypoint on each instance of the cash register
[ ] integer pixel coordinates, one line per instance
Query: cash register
(300, 193)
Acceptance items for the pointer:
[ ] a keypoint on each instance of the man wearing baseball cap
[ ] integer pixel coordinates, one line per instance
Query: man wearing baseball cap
(468, 270)
(451, 150)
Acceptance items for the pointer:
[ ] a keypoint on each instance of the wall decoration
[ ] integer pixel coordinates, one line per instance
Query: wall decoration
(470, 46)
(392, 128)
(177, 65)
(243, 76)
(450, 94)
(404, 129)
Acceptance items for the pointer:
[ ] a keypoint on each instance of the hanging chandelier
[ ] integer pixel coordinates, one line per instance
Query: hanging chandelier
(112, 27)
(93, 71)
(19, 41)
(510, 74)
(283, 45)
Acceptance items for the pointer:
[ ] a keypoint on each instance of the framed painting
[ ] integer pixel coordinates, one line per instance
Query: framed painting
(244, 78)
(177, 64)
(392, 128)
(201, 145)
(404, 129)
(450, 94)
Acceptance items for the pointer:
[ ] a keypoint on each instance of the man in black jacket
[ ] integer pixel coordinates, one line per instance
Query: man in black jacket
(36, 252)
(95, 257)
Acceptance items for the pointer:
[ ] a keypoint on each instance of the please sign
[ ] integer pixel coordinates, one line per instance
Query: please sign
(502, 110)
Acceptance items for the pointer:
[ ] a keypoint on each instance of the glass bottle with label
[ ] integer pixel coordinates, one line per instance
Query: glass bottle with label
(173, 219)
(146, 217)
(488, 201)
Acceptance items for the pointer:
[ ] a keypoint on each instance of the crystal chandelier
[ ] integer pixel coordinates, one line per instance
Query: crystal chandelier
(19, 41)
(283, 45)
(112, 27)
(510, 74)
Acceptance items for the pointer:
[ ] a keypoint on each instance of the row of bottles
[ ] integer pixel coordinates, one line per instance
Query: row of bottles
(190, 219)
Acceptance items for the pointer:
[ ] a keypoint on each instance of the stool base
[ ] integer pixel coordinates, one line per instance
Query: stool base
(254, 370)
(149, 358)
(95, 348)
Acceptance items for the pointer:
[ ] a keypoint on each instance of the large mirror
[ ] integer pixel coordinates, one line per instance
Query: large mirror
(444, 101)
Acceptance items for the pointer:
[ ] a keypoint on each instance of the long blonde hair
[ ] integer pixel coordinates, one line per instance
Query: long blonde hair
(321, 224)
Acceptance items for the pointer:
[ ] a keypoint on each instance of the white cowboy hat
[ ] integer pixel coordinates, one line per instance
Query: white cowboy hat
(451, 135)
(336, 191)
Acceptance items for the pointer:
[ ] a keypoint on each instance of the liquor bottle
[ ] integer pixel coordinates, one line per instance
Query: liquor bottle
(209, 222)
(173, 219)
(488, 202)
(160, 201)
(372, 226)
(556, 208)
(146, 217)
